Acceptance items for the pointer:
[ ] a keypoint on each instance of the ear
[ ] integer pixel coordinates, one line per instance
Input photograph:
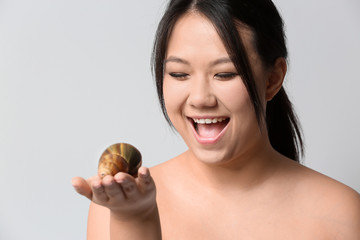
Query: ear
(276, 78)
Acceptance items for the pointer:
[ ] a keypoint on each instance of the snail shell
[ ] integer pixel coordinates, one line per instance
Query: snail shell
(119, 157)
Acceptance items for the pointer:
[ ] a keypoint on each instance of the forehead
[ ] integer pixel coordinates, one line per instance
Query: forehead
(193, 32)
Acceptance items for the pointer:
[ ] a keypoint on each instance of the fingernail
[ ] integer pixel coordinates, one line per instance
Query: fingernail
(144, 174)
(97, 185)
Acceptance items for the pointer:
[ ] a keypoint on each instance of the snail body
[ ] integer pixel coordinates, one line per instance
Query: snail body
(119, 157)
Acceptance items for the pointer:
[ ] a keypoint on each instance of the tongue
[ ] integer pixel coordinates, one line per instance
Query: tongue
(210, 130)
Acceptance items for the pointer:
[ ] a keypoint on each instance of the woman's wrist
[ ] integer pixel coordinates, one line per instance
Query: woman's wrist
(133, 217)
(145, 225)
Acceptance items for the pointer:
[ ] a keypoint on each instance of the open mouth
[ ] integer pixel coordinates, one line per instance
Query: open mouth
(209, 128)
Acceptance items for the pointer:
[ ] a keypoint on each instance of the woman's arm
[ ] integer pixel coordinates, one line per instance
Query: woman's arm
(98, 225)
(122, 207)
(142, 227)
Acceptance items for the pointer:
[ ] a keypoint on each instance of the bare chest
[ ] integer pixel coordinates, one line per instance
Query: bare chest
(221, 218)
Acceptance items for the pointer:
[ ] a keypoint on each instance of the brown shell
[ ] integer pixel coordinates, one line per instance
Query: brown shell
(119, 157)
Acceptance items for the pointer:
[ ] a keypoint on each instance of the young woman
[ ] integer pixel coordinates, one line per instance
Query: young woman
(219, 68)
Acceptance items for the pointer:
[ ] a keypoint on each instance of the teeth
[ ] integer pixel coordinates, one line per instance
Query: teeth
(208, 120)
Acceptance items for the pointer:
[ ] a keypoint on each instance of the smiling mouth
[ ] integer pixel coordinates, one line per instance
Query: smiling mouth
(209, 127)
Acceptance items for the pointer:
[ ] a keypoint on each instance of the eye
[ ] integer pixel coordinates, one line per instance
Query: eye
(225, 76)
(179, 76)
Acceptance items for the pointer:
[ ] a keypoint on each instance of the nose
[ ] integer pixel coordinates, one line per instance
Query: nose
(202, 94)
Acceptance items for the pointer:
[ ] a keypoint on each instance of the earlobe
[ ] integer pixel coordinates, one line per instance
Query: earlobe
(276, 78)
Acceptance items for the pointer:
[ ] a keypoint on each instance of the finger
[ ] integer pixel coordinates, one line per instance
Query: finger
(112, 188)
(144, 180)
(99, 194)
(82, 187)
(128, 186)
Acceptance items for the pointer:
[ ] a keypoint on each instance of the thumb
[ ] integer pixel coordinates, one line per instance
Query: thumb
(82, 187)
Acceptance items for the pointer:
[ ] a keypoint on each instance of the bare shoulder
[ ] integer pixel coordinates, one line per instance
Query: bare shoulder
(333, 203)
(323, 186)
(159, 171)
(164, 172)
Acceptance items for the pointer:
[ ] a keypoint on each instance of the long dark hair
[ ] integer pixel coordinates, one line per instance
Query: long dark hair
(263, 19)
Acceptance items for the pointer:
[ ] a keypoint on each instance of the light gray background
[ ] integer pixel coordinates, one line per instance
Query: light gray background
(75, 77)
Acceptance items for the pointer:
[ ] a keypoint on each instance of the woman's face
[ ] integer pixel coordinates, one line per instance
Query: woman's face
(204, 96)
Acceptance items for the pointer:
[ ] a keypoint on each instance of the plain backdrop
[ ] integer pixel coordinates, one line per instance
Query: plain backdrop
(75, 77)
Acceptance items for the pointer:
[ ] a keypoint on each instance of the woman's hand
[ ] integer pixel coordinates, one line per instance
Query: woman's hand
(128, 198)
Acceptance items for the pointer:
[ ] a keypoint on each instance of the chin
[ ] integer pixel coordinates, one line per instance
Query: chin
(211, 157)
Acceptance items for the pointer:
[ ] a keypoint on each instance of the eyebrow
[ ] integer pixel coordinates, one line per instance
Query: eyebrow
(183, 61)
(176, 60)
(221, 61)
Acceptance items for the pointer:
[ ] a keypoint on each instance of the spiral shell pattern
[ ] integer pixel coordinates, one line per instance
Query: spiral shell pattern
(119, 157)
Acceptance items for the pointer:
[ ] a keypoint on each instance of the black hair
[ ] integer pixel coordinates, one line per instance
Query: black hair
(264, 20)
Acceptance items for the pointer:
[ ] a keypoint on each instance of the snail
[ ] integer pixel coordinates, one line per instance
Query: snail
(119, 157)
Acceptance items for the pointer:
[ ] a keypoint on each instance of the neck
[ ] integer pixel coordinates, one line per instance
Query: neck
(243, 173)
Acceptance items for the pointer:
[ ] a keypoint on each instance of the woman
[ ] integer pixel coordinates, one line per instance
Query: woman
(219, 68)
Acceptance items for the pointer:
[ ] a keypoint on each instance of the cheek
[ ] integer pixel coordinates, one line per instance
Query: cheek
(174, 95)
(235, 97)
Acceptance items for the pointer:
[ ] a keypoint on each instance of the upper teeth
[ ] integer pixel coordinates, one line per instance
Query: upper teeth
(208, 120)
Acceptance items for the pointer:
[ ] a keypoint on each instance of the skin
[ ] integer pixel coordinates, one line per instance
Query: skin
(235, 187)
(121, 203)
